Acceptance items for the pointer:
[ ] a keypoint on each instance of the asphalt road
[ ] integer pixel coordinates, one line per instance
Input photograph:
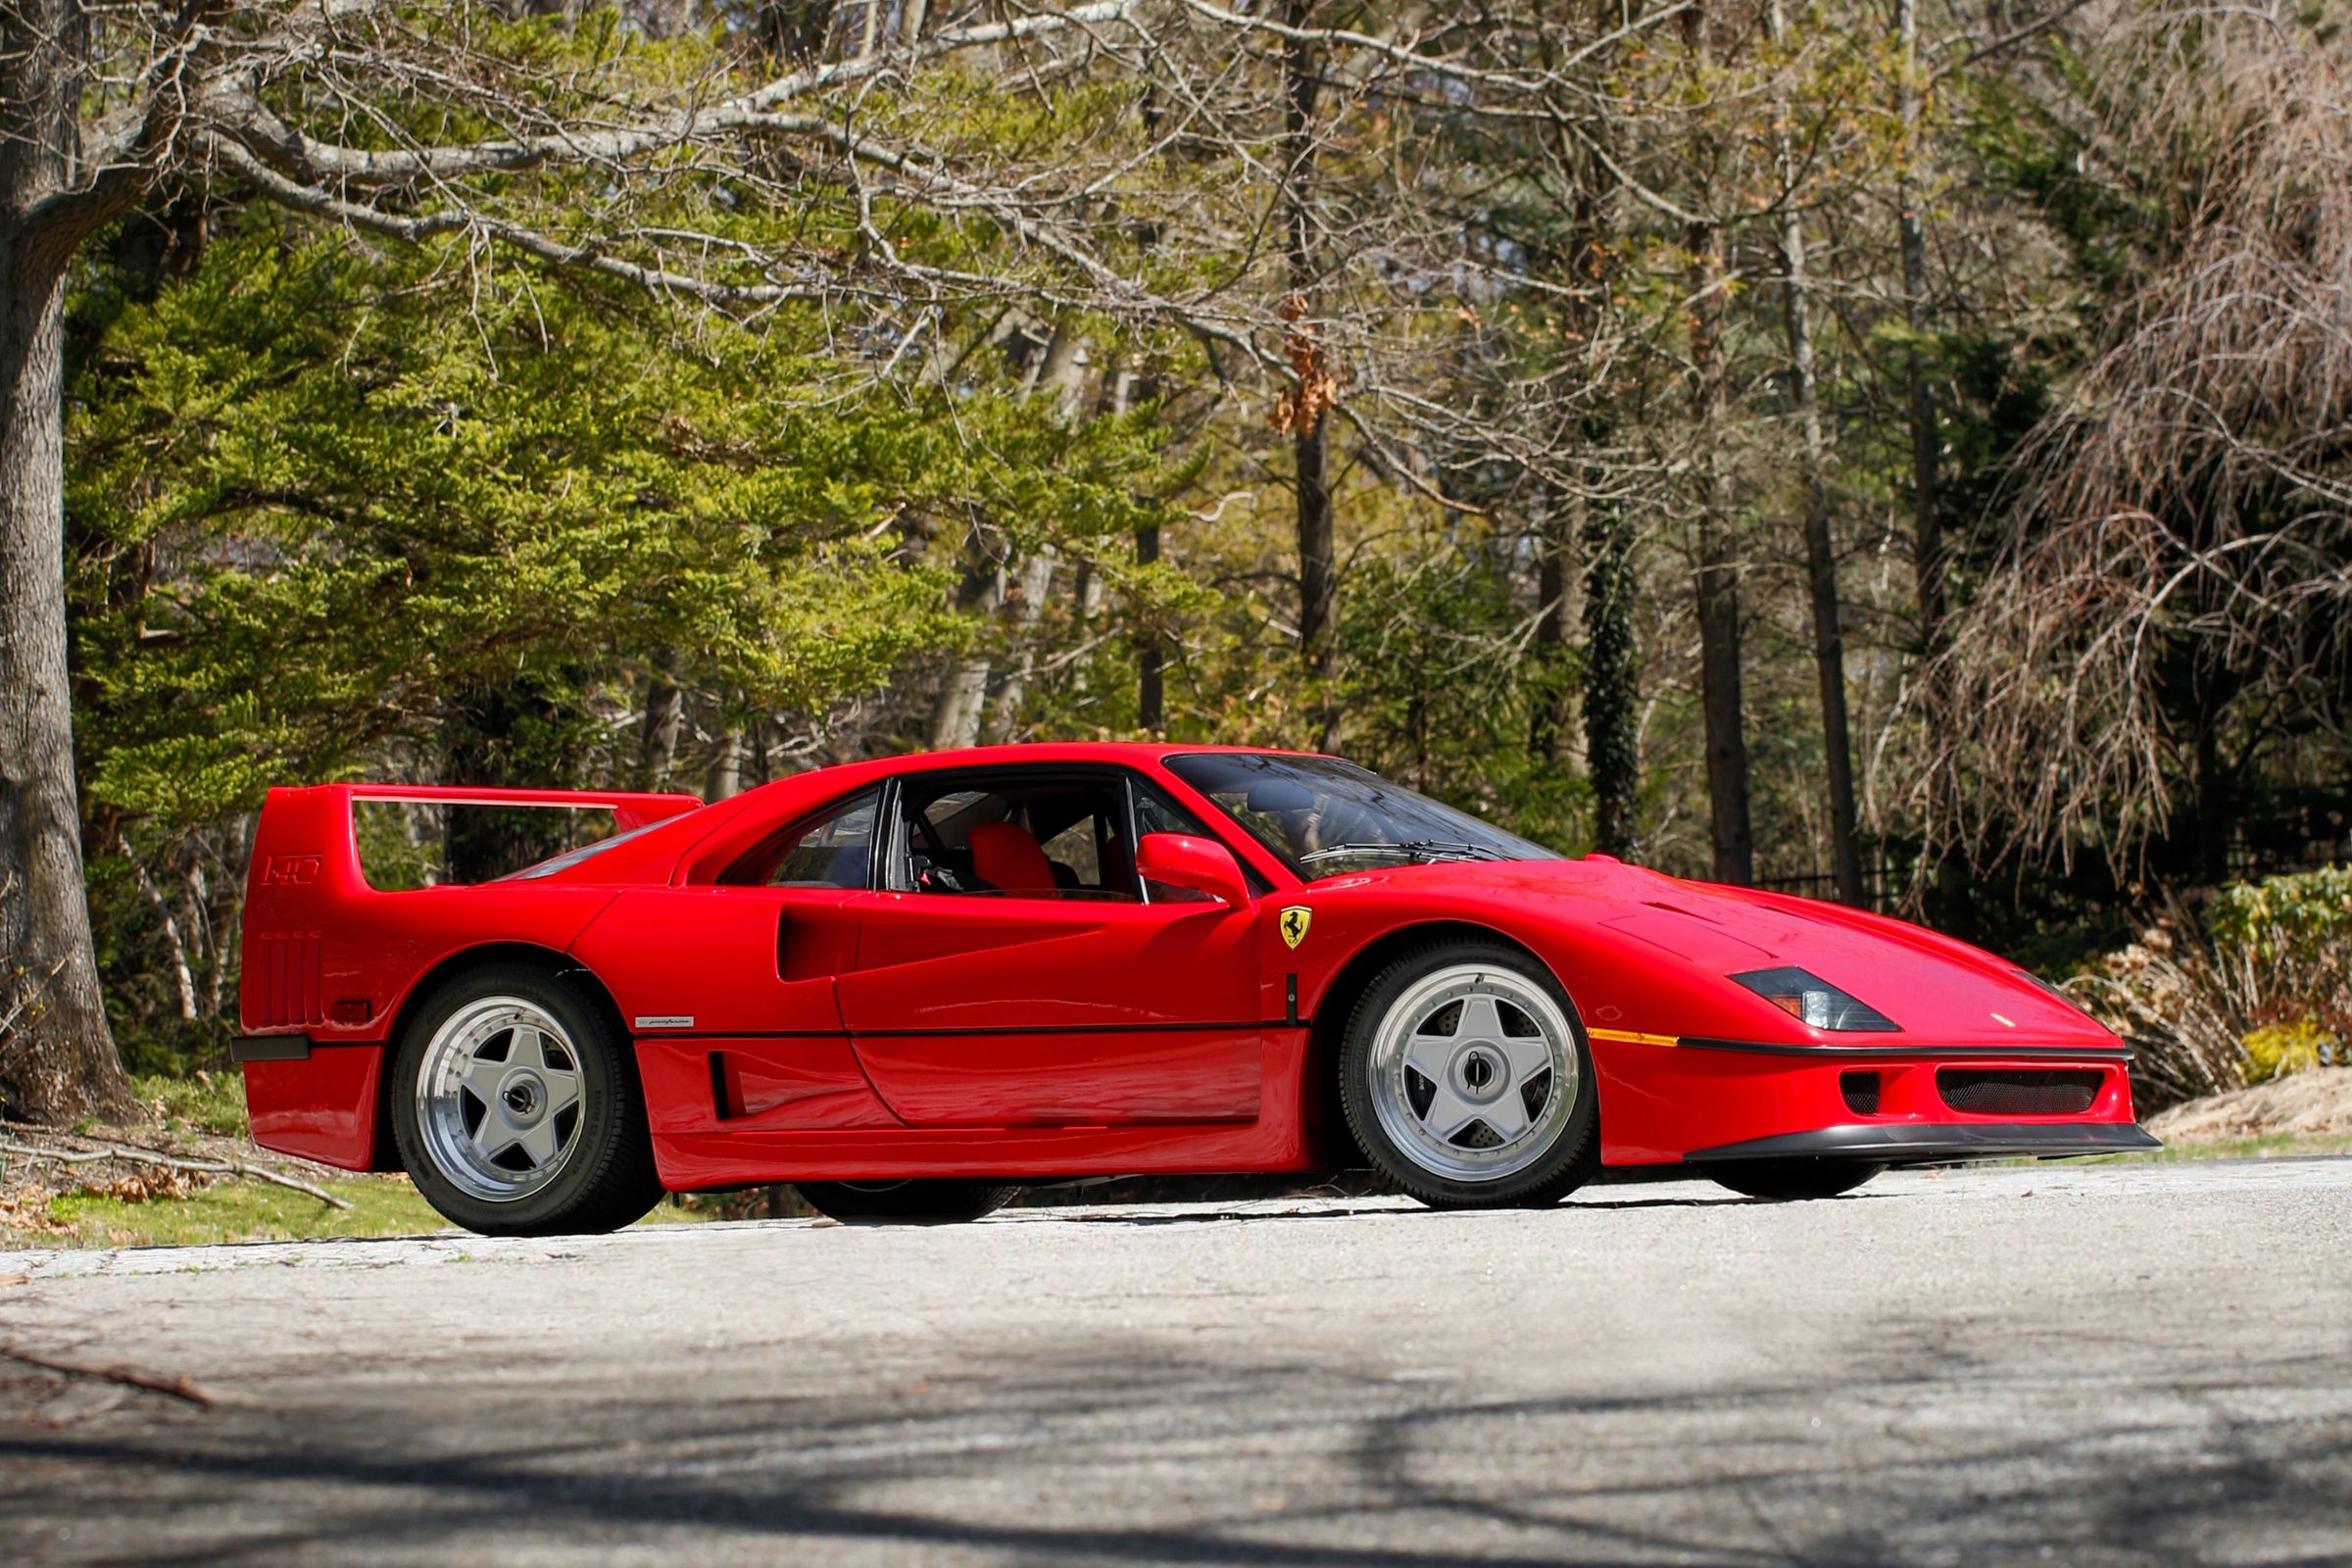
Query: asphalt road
(2127, 1364)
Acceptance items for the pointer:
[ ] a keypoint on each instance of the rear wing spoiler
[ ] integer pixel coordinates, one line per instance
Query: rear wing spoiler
(630, 809)
(305, 861)
(307, 839)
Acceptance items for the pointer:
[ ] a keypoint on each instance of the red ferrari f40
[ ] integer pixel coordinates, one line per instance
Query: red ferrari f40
(910, 986)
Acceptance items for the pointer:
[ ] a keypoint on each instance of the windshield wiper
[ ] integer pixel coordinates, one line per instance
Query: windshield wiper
(1415, 849)
(1454, 850)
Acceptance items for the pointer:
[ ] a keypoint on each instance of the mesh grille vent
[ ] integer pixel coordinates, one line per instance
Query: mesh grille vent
(2016, 1092)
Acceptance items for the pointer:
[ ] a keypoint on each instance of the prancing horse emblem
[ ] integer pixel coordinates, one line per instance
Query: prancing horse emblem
(1295, 921)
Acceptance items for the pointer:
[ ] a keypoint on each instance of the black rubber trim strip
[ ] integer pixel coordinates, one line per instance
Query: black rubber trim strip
(1074, 1029)
(975, 1034)
(1916, 1143)
(272, 1048)
(1863, 1052)
(1290, 1000)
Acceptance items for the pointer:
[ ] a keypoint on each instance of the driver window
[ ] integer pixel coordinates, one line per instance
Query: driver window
(1032, 837)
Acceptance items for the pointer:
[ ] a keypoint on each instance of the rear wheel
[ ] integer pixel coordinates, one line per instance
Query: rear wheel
(516, 1106)
(1466, 1080)
(907, 1203)
(1789, 1180)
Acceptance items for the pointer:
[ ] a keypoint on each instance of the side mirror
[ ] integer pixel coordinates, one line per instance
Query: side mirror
(1199, 864)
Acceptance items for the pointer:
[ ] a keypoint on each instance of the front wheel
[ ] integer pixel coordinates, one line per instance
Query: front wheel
(905, 1202)
(1790, 1180)
(516, 1106)
(1466, 1080)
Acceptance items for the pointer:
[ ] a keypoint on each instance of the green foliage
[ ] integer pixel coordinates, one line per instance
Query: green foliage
(2258, 986)
(321, 491)
(344, 512)
(2295, 931)
(343, 509)
(2302, 917)
(1436, 690)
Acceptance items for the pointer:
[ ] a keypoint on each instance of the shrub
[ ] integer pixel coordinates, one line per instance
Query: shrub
(2257, 987)
(2277, 1048)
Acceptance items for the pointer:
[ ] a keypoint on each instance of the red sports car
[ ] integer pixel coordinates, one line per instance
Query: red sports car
(905, 985)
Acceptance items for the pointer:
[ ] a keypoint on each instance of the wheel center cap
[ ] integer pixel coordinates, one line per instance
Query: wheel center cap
(1480, 1074)
(523, 1096)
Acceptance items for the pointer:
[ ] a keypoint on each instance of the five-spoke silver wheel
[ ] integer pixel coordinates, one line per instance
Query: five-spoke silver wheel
(499, 1097)
(1473, 1072)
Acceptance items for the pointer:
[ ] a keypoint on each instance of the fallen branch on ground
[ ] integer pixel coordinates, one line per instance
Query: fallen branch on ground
(150, 1157)
(178, 1388)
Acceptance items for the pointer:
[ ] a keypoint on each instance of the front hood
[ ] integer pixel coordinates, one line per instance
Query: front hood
(1940, 991)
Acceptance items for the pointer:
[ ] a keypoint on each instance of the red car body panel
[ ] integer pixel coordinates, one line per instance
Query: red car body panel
(801, 1034)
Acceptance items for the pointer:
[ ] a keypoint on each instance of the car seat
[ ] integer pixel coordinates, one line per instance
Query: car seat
(1006, 856)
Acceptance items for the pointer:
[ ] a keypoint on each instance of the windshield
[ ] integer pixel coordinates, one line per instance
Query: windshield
(1321, 817)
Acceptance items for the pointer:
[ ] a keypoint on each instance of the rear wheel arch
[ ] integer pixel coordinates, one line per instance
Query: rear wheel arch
(555, 964)
(1319, 1086)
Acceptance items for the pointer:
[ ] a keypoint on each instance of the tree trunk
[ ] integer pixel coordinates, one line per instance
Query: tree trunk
(657, 733)
(1555, 620)
(1612, 651)
(1612, 728)
(964, 694)
(1948, 896)
(723, 779)
(1717, 557)
(1309, 450)
(479, 733)
(1151, 680)
(1036, 582)
(1821, 560)
(57, 1054)
(1309, 430)
(183, 978)
(1927, 523)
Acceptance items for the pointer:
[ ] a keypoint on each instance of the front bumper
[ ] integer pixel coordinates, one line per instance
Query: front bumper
(1915, 1143)
(1667, 1100)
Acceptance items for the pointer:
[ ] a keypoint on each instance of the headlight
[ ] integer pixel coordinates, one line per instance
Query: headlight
(1814, 1002)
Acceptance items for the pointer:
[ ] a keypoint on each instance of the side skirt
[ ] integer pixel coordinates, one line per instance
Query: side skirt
(692, 1162)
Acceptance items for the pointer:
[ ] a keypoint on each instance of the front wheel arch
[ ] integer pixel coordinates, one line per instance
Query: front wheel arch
(1319, 1109)
(1391, 1135)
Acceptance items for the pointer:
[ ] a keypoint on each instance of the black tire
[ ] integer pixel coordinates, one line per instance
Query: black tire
(933, 1201)
(1783, 1181)
(1573, 1153)
(605, 1179)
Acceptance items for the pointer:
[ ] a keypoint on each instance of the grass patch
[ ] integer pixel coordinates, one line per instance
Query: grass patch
(2266, 1145)
(211, 1103)
(232, 1210)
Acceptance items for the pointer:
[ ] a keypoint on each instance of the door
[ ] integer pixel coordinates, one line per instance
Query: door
(729, 988)
(1012, 970)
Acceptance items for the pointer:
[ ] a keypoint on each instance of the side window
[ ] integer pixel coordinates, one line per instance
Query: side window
(1031, 836)
(832, 850)
(1154, 813)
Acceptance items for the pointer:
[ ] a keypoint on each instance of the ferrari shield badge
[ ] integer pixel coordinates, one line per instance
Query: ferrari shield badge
(1295, 921)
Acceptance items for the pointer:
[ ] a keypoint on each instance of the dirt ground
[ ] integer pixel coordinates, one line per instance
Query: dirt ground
(2314, 1103)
